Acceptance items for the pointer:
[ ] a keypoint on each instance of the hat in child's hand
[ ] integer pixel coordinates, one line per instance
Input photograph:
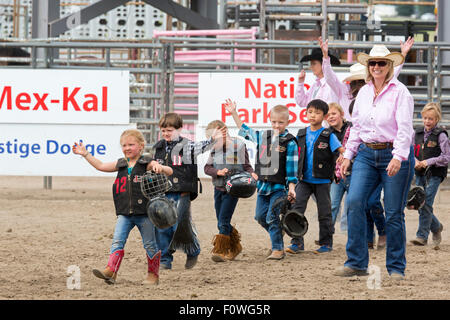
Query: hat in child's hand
(241, 185)
(162, 212)
(294, 223)
(416, 198)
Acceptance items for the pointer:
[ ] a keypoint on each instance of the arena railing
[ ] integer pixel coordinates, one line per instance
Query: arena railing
(155, 67)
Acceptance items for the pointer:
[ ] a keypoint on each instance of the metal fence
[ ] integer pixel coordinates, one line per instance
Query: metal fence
(152, 66)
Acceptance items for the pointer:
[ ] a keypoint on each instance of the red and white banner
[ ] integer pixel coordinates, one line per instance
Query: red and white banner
(64, 96)
(255, 94)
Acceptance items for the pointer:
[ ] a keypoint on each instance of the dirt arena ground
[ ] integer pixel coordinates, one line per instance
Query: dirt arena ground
(43, 232)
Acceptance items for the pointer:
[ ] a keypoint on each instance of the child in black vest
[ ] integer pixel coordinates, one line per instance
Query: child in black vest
(276, 170)
(130, 203)
(317, 146)
(229, 156)
(432, 153)
(180, 154)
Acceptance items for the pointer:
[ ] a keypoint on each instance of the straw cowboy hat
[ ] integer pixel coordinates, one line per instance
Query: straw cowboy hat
(380, 51)
(357, 72)
(316, 54)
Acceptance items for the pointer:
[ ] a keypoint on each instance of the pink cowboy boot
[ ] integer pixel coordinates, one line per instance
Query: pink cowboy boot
(110, 272)
(153, 269)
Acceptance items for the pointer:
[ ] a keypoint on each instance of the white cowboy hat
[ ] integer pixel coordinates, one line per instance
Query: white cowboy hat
(379, 51)
(357, 72)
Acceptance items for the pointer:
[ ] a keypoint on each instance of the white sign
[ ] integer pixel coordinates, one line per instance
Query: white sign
(64, 96)
(46, 149)
(255, 94)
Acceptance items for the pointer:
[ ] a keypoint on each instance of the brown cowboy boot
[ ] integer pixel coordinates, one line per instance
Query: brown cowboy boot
(235, 244)
(110, 272)
(153, 269)
(221, 244)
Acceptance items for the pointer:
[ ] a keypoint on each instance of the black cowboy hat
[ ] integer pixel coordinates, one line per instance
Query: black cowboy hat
(317, 54)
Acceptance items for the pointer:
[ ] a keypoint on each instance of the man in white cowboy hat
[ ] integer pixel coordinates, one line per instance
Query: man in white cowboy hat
(380, 143)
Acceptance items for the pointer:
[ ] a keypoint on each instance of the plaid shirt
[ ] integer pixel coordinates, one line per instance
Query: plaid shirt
(266, 188)
(191, 147)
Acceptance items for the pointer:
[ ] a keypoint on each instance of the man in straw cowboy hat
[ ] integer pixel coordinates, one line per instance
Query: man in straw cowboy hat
(381, 144)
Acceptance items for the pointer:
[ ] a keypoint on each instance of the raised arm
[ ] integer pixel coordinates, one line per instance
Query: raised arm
(79, 148)
(405, 48)
(300, 95)
(230, 106)
(339, 88)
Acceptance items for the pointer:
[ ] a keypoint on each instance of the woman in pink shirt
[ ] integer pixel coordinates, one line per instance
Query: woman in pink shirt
(381, 143)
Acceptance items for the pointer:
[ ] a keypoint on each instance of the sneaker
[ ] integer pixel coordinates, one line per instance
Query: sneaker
(381, 242)
(437, 238)
(294, 248)
(396, 276)
(190, 262)
(419, 242)
(370, 245)
(349, 272)
(323, 249)
(276, 255)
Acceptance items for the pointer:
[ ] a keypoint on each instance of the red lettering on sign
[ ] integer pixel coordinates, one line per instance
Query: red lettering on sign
(40, 101)
(6, 92)
(21, 99)
(303, 117)
(271, 90)
(70, 98)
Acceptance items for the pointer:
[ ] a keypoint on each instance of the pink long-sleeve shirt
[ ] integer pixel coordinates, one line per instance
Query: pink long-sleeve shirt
(319, 90)
(342, 89)
(388, 118)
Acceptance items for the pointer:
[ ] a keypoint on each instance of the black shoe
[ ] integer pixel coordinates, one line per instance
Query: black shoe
(190, 262)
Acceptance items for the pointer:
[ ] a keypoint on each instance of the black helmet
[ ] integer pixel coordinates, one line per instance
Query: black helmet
(241, 185)
(294, 223)
(162, 212)
(416, 198)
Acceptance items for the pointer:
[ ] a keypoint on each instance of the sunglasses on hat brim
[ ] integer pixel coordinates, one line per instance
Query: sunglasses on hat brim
(381, 63)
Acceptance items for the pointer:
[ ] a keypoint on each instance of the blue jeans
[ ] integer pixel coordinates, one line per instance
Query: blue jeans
(224, 205)
(269, 220)
(164, 236)
(123, 227)
(369, 170)
(337, 191)
(427, 220)
(375, 215)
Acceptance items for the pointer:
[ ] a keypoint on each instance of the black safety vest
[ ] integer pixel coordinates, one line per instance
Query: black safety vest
(184, 177)
(127, 194)
(323, 157)
(271, 158)
(429, 149)
(340, 134)
(232, 157)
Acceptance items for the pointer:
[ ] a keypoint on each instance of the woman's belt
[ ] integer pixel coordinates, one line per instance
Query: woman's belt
(379, 145)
